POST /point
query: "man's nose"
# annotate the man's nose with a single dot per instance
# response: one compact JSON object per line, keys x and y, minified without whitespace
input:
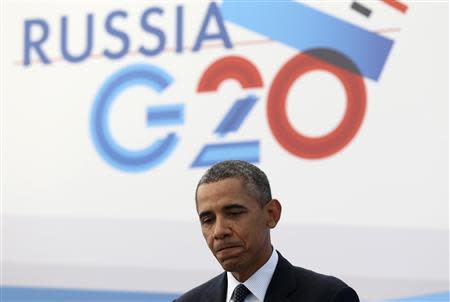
{"x":221,"y":228}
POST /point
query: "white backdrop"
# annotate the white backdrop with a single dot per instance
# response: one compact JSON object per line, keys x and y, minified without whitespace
{"x":375,"y":213}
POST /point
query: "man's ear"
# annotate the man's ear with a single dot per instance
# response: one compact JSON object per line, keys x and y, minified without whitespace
{"x":273,"y":212}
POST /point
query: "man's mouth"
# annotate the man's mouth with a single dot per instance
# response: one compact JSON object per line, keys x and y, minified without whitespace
{"x":226,"y":247}
{"x":228,"y":251}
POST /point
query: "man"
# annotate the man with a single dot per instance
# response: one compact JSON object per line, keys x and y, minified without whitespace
{"x":236,"y":211}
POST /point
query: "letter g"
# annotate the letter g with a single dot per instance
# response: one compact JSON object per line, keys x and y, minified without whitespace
{"x":116,"y":155}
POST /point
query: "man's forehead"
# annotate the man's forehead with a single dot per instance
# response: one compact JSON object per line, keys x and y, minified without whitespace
{"x":225,"y":188}
{"x":219,"y":202}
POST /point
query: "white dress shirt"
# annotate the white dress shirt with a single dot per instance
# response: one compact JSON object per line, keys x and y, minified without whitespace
{"x":257,"y":283}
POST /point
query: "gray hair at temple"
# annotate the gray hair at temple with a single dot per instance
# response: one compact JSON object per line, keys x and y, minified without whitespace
{"x":253,"y":178}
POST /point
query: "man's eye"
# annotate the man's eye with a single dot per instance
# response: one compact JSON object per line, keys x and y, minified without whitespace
{"x":234,"y":214}
{"x":205,"y":220}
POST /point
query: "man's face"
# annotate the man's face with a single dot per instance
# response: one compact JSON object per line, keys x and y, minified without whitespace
{"x":234,"y":225}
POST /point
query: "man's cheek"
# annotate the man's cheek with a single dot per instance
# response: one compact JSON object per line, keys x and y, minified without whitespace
{"x":209,"y":242}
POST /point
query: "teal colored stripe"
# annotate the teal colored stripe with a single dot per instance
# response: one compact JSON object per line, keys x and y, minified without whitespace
{"x":30,"y":294}
{"x":435,"y":297}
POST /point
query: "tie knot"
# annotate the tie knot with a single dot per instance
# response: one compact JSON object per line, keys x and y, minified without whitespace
{"x":240,"y":292}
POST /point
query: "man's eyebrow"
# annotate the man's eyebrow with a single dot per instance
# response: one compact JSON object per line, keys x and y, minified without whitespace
{"x":228,"y":207}
{"x":234,"y":206}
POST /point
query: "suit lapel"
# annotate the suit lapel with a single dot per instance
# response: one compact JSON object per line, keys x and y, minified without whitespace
{"x":217,"y":292}
{"x":283,"y":282}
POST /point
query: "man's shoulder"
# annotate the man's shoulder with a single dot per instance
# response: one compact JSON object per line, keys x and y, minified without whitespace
{"x":323,"y":287}
{"x":202,"y":290}
{"x":310,"y":277}
{"x":313,"y":286}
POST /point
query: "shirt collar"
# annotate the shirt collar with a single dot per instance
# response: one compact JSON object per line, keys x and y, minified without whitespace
{"x":258,"y":282}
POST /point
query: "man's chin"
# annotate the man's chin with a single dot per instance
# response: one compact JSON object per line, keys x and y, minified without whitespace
{"x":230,"y":265}
{"x":230,"y":259}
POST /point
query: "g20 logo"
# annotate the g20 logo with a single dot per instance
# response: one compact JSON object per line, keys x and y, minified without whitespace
{"x":248,"y":76}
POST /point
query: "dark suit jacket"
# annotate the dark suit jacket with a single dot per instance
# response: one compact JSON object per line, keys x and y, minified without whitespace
{"x":288,"y":284}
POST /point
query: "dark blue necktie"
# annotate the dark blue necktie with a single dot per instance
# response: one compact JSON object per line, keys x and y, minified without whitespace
{"x":240,"y":292}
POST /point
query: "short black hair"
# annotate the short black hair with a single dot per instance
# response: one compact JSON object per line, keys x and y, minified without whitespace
{"x":254,"y":179}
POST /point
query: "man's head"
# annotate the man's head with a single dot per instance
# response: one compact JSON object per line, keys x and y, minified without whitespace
{"x":236,"y":212}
